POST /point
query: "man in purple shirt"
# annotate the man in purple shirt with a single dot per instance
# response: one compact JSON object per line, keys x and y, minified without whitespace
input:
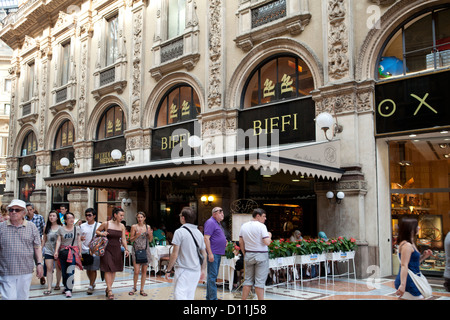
{"x":216,"y":242}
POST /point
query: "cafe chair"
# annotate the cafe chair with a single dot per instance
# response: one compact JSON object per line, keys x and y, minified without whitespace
{"x":164,"y":260}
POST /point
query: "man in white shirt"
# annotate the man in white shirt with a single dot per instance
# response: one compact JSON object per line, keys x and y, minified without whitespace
{"x":87,"y":233}
{"x":185,"y":258}
{"x":254,"y":240}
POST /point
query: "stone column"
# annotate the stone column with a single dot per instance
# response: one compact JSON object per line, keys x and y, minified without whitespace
{"x":78,"y":203}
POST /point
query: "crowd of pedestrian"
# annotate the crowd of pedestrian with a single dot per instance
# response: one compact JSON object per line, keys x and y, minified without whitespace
{"x":29,"y":245}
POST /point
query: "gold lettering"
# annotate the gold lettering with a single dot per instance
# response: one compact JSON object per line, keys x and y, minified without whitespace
{"x":286,"y":84}
{"x":273,"y":124}
{"x":118,"y":125}
{"x":163,"y":143}
{"x":173,"y":111}
{"x":185,"y":108}
{"x":269,"y":88}
{"x":257,"y":127}
{"x":284,"y":123}
{"x":109,"y":128}
{"x":288,"y":122}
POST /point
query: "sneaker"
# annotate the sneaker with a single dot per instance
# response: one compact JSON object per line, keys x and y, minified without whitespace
{"x":68,"y":294}
{"x":90,"y":290}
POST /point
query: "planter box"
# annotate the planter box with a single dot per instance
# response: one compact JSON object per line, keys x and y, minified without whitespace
{"x":340,"y":256}
{"x":310,"y":258}
{"x":281,"y":262}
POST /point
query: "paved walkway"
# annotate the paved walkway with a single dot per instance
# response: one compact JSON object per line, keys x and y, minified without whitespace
{"x":157,"y":288}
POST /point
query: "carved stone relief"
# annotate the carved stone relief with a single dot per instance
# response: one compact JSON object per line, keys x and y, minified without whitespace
{"x":338,"y":40}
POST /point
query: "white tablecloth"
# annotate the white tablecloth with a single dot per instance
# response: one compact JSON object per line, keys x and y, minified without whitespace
{"x":226,"y":271}
{"x":158,"y":252}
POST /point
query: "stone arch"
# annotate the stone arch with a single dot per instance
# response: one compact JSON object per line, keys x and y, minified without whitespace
{"x":21,"y":135}
{"x":155,"y":97}
{"x":265,"y":50}
{"x":54,"y":126}
{"x":98,"y":111}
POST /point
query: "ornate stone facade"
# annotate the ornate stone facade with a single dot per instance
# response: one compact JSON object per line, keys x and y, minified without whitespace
{"x":222,"y":42}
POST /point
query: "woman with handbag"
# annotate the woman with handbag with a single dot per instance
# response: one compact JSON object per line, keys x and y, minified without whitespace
{"x":141,"y":234}
{"x":49,"y":244}
{"x":68,"y":251}
{"x":410,"y":282}
{"x":112,"y":262}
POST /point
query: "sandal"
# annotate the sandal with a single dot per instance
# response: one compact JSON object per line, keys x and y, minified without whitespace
{"x":57,"y":287}
{"x":142,"y":293}
{"x":47,"y":292}
{"x":110,"y":295}
{"x":131,"y":293}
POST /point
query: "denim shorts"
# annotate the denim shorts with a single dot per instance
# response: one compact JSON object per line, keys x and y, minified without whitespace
{"x":256,"y":266}
{"x":48,"y":257}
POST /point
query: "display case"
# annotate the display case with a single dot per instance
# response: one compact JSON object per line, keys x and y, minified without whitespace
{"x":420,"y":206}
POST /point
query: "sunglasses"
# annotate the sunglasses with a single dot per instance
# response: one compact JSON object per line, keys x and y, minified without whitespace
{"x":220,"y":210}
{"x":89,"y":215}
{"x":14,"y":210}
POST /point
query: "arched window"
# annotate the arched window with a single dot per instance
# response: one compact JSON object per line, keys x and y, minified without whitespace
{"x":112,"y":123}
{"x":277,"y":79}
{"x":180,"y":104}
{"x":29,"y":145}
{"x":110,"y":137}
{"x":27,"y":167}
{"x":64,"y":136}
{"x":63,"y":148}
{"x":421,"y":43}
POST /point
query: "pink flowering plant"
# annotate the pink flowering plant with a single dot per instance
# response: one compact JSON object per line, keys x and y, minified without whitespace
{"x":286,"y":248}
{"x":231,"y":250}
{"x":342,"y":244}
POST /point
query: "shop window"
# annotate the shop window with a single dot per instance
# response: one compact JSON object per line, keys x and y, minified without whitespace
{"x":27,"y":167}
{"x":420,"y":186}
{"x":110,"y":136}
{"x":105,"y":202}
{"x":421,"y":43}
{"x":63,"y":148}
{"x":180,"y":104}
{"x":277,"y":79}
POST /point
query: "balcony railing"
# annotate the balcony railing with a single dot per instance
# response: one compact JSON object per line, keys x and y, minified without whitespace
{"x":172,"y":50}
{"x":269,"y":12}
{"x":107,"y":76}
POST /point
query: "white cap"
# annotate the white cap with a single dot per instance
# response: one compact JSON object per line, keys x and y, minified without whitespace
{"x":17,"y":202}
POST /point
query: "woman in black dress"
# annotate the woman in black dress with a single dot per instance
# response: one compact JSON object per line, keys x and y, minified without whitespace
{"x":112,"y":262}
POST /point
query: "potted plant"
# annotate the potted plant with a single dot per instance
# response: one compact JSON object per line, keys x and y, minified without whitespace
{"x":281,"y":253}
{"x":341,"y":248}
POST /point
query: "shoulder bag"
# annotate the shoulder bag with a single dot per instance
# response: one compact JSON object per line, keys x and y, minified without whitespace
{"x":421,"y":282}
{"x":141,"y":255}
{"x":98,"y":245}
{"x":199,"y":252}
{"x":64,"y":253}
{"x":86,"y":258}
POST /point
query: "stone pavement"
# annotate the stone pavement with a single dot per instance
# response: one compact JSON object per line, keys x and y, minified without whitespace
{"x":157,"y":288}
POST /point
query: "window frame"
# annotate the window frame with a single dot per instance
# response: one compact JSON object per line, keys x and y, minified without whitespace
{"x":401,"y":28}
{"x":193,"y":112}
{"x":257,"y":71}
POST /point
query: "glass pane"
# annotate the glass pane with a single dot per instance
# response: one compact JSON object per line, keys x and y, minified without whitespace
{"x":443,"y":37}
{"x":420,"y":164}
{"x":185,"y":103}
{"x":110,"y":123}
{"x":198,"y":109}
{"x":174,"y":105}
{"x":287,"y":77}
{"x":101,"y":134}
{"x":162,"y":114}
{"x":305,"y":79}
{"x":251,"y":95}
{"x":419,"y":60}
{"x":268,"y":82}
{"x":118,"y":121}
{"x":111,"y":41}
{"x":176,"y":18}
{"x":30,"y":92}
{"x":418,"y":34}
{"x":65,"y":64}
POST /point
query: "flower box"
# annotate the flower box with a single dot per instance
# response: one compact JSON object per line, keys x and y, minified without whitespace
{"x":281,"y":262}
{"x":340,"y":256}
{"x":310,"y":258}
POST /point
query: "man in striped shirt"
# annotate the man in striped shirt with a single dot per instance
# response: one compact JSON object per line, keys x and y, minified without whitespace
{"x":20,"y":243}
